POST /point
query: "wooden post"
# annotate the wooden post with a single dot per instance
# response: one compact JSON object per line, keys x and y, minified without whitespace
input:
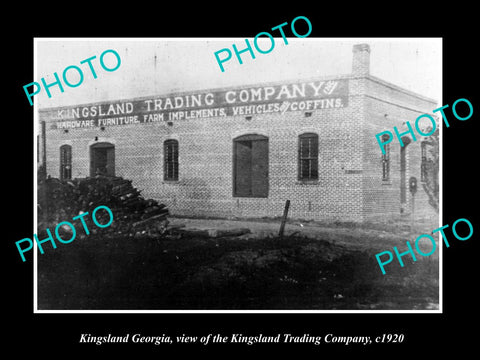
{"x":284,"y":218}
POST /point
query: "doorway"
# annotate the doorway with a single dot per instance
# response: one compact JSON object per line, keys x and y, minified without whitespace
{"x":102,"y":159}
{"x":250,"y":166}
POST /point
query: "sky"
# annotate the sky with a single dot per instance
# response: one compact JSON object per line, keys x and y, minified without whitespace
{"x":151,"y":67}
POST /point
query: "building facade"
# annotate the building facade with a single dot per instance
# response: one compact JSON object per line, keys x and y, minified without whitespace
{"x":242,"y":152}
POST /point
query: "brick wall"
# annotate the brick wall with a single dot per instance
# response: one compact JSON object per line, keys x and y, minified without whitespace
{"x":387,"y":106}
{"x":349,"y":186}
{"x":206,"y":157}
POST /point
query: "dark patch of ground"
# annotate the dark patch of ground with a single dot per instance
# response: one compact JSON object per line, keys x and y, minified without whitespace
{"x":295,"y":272}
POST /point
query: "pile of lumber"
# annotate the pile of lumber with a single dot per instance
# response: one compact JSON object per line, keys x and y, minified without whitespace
{"x":133,"y":215}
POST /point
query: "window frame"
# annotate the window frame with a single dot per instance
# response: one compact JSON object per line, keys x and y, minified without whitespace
{"x":386,"y":160}
{"x":167,"y":152}
{"x":423,"y":161}
{"x":65,"y":160}
{"x":311,"y":159}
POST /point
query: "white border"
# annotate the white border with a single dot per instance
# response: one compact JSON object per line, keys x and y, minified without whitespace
{"x":35,"y":252}
{"x":35,"y":181}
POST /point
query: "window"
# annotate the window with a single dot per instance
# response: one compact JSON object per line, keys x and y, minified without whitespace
{"x":386,"y":160}
{"x":102,"y":159}
{"x":250,"y":166}
{"x":65,"y":162}
{"x":170,"y":160}
{"x":403,"y":170}
{"x":423,"y":164}
{"x":308,"y":157}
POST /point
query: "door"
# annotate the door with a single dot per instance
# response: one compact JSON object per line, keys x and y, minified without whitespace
{"x":250,"y":177}
{"x":102,"y":159}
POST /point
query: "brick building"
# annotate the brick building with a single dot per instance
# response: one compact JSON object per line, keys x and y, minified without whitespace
{"x":243,"y":151}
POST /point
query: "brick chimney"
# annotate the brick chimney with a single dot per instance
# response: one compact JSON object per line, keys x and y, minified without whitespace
{"x":361,"y":60}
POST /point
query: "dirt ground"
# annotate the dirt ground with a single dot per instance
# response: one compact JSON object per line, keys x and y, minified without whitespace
{"x":364,"y":236}
{"x":314,"y":266}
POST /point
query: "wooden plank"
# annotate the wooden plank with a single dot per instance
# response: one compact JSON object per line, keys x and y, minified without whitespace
{"x":153,"y":218}
{"x":216,"y":233}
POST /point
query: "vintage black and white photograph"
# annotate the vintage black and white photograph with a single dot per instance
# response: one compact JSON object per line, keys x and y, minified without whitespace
{"x":181,"y":174}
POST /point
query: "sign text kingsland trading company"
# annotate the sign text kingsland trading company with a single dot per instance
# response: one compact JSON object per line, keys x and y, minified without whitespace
{"x":305,"y":96}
